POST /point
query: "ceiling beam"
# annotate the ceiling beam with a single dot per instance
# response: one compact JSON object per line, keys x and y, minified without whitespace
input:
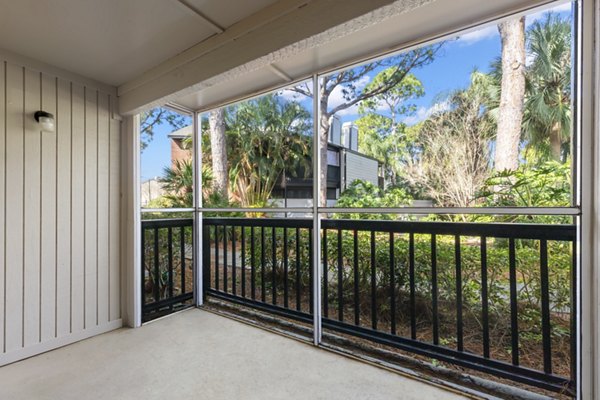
{"x":201,"y":49}
{"x":190,"y":9}
{"x":277,"y":71}
{"x":279,"y":25}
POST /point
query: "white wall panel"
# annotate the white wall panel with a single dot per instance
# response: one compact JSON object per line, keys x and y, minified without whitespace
{"x":360,"y":167}
{"x":90,"y":210}
{"x":63,"y":210}
{"x":2,"y":197}
{"x":32,"y":152}
{"x":59,"y":213}
{"x":48,"y":217}
{"x":77,"y":208}
{"x":102,"y":276}
{"x":114,"y":227}
{"x":13,"y":209}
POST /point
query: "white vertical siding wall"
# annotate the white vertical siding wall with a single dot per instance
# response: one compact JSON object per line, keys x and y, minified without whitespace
{"x":359,"y":167}
{"x":59,"y":213}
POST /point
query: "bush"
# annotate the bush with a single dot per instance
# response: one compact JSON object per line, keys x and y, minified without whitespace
{"x":364,"y":194}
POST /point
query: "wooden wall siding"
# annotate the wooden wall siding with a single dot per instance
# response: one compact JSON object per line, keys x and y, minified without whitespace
{"x":59,"y":213}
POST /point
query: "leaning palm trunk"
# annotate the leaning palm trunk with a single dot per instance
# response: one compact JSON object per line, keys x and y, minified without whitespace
{"x":510,"y":116}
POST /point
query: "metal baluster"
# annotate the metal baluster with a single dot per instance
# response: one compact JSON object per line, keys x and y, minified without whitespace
{"x":573,"y":314}
{"x":182,"y":256}
{"x":340,"y":277}
{"x":234,"y":262}
{"x":170,"y":263}
{"x":263,"y":287}
{"x":243,"y":239}
{"x":373,"y":284}
{"x":225,"y":245}
{"x":325,"y":276}
{"x":514,"y":317}
{"x":206,"y":284}
{"x":285,"y":269}
{"x":216,"y":257}
{"x":411,"y":277}
{"x":392,"y":285}
{"x":434,"y":290}
{"x":484,"y":299}
{"x":459,"y":305}
{"x":252,"y":265}
{"x":356,"y":291}
{"x":273,"y":266}
{"x":310,"y":269}
{"x":143,"y":269}
{"x":298,"y":276}
{"x":546,"y":329}
{"x":156,"y":267}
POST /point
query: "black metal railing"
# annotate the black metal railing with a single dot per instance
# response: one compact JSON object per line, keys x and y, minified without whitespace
{"x":260,"y":262}
{"x":167,"y":260}
{"x":497,"y":298}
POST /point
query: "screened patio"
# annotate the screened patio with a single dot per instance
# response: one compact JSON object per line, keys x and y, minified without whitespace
{"x":310,"y":263}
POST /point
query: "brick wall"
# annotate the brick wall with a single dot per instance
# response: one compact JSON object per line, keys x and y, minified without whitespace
{"x":178,"y":153}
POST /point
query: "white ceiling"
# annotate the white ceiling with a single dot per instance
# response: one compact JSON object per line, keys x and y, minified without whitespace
{"x":117,"y":41}
{"x":113,"y":41}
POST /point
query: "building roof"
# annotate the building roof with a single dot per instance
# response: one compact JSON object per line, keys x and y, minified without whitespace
{"x":182,"y":133}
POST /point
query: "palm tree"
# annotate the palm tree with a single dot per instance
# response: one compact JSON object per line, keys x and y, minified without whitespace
{"x":547,"y":119}
{"x":265,"y":137}
{"x":178,"y":182}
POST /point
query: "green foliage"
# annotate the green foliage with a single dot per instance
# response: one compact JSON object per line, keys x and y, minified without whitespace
{"x":544,"y":185}
{"x":151,"y":119}
{"x":396,"y":99}
{"x":396,"y":70}
{"x":547,"y":113}
{"x":382,"y":135}
{"x":364,"y":194}
{"x":265,"y":137}
{"x":178,"y":182}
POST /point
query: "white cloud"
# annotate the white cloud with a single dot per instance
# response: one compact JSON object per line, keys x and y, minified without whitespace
{"x":478,"y":35}
{"x":337,"y":97}
{"x":423,"y":113}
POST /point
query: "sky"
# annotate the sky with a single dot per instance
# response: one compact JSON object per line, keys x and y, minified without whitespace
{"x":450,"y":71}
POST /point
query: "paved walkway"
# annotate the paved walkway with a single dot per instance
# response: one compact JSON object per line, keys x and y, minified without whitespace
{"x":199,"y":355}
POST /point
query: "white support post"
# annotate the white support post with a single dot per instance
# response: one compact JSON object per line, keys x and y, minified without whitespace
{"x":586,"y":117}
{"x":316,"y":249}
{"x":198,"y":256}
{"x":131,"y":267}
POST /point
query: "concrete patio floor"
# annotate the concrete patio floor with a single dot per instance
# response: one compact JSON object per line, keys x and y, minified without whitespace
{"x":199,"y":355}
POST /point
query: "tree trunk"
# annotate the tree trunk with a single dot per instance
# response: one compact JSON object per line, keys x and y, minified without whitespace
{"x":323,"y":139}
{"x":556,"y":141}
{"x":218,"y":148}
{"x":510,"y":113}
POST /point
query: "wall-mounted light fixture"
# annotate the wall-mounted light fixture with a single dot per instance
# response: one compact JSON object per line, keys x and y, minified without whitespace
{"x":45,"y":119}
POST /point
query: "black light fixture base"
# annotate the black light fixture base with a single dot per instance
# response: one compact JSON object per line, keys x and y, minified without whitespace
{"x":39,"y":114}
